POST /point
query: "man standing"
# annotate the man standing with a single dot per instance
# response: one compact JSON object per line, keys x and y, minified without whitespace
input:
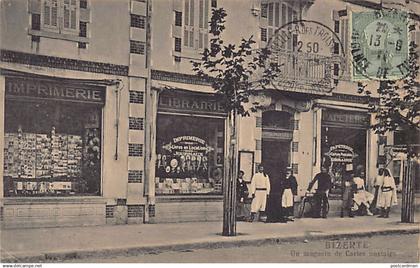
{"x":260,"y":188}
{"x":242,"y":210}
{"x":321,"y":199}
{"x":290,"y":190}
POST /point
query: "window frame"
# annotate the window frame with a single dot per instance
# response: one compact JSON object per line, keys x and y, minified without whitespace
{"x":60,"y":27}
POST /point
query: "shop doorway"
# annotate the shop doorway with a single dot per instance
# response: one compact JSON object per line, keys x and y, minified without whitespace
{"x":276,"y":139}
{"x":275,"y":157}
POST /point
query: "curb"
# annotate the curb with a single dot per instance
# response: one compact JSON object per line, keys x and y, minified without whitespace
{"x":156,"y":249}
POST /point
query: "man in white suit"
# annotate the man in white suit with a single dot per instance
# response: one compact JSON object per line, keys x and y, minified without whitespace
{"x":260,"y":188}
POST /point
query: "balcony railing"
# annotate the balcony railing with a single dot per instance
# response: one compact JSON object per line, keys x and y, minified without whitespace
{"x":307,"y":72}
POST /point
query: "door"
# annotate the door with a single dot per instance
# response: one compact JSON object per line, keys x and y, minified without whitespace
{"x":275,"y":157}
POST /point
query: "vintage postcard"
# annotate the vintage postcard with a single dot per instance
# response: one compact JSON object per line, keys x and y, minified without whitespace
{"x":209,"y":131}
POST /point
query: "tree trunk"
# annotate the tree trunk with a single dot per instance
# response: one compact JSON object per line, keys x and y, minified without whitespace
{"x":229,"y":185}
{"x":409,"y":176}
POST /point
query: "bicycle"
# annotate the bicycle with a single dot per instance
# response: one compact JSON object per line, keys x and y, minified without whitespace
{"x":309,"y":198}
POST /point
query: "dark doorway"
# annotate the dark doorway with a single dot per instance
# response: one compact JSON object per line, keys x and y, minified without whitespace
{"x":275,"y":157}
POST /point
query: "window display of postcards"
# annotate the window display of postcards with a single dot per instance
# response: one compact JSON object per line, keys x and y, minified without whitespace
{"x":74,"y":157}
{"x":11,"y":155}
{"x":28,"y":152}
{"x":59,"y":154}
{"x":43,"y":156}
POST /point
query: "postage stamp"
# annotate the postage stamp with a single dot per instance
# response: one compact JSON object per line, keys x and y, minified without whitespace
{"x":379,"y":45}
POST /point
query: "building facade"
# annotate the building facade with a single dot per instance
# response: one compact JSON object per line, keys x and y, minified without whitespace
{"x":105,"y":122}
{"x":72,"y":106}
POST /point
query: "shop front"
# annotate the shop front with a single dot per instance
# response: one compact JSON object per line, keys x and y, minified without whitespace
{"x":52,"y":151}
{"x":343,"y":144}
{"x":190,"y":156}
{"x":277,"y":135}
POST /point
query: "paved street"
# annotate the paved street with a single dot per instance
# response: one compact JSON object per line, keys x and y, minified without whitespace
{"x":386,"y":248}
{"x":122,"y":240}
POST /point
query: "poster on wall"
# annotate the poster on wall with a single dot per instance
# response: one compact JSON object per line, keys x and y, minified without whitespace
{"x":246,"y":164}
{"x":184,"y":156}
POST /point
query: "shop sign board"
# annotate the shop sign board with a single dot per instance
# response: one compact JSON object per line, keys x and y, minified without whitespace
{"x":34,"y":88}
{"x":187,"y":144}
{"x":346,"y":118}
{"x":191,"y":103}
{"x":396,"y":149}
{"x":341,"y":153}
{"x":184,"y":156}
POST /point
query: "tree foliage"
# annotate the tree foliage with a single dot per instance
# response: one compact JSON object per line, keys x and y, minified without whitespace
{"x":398,"y":106}
{"x":235,"y":71}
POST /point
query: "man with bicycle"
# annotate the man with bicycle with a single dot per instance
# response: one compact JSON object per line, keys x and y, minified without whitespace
{"x":321,"y":198}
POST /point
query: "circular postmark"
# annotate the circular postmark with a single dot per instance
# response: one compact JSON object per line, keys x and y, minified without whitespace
{"x":309,"y":55}
{"x":379,"y":45}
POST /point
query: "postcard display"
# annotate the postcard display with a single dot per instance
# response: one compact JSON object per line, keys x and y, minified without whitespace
{"x":42,"y":163}
{"x":188,"y":165}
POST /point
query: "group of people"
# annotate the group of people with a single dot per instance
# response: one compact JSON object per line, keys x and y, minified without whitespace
{"x":272,"y":199}
{"x":357,"y":200}
{"x":275,"y":198}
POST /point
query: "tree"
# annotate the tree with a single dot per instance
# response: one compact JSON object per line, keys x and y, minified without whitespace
{"x":236,"y":73}
{"x":398,"y":108}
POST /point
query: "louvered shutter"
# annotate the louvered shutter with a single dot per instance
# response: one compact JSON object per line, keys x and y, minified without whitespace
{"x":203,"y":31}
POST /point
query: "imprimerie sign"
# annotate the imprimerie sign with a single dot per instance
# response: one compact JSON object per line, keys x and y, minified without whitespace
{"x":43,"y":89}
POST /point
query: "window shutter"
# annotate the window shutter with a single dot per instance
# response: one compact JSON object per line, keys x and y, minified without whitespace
{"x":203,"y":23}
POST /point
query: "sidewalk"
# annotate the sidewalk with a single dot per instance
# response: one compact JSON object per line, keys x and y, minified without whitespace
{"x":49,"y":244}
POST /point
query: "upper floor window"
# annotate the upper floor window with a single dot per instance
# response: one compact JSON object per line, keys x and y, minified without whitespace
{"x":277,"y":14}
{"x":196,"y":18}
{"x":60,"y":16}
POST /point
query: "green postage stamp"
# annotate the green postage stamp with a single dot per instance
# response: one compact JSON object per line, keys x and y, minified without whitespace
{"x":379,"y":45}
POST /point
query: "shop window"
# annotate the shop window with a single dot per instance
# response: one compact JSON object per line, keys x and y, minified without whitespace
{"x":342,"y":149}
{"x":52,"y":148}
{"x":190,"y":155}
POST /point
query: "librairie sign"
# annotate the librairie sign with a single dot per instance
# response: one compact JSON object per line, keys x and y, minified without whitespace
{"x":32,"y":88}
{"x":341,"y":153}
{"x":179,"y":101}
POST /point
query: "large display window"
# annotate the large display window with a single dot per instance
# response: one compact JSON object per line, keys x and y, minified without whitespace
{"x":51,"y":147}
{"x":190,"y":155}
{"x":343,"y":149}
{"x":343,"y":144}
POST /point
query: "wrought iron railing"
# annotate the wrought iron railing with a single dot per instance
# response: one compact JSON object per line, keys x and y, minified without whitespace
{"x":307,"y":72}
